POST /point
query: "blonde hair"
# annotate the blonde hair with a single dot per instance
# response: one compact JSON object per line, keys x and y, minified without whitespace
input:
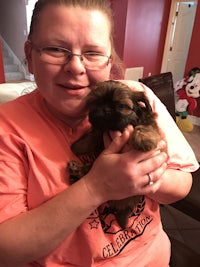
{"x":117,"y":71}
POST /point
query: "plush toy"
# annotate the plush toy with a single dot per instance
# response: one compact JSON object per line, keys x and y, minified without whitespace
{"x":187,"y":90}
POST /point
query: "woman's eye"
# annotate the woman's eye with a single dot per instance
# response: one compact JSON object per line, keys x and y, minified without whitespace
{"x":55,"y":51}
{"x":92,"y":54}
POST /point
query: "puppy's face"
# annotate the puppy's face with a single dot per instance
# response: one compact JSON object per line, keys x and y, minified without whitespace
{"x":112,"y":107}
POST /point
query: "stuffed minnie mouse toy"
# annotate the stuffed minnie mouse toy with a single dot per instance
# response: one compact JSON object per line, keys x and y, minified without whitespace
{"x":187,"y":90}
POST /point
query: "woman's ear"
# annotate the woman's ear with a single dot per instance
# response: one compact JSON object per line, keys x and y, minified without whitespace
{"x":27,"y":51}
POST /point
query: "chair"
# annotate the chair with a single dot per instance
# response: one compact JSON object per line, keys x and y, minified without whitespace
{"x":162,"y":85}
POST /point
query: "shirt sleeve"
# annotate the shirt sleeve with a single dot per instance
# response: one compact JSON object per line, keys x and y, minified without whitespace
{"x":13,"y":177}
{"x":181,"y":155}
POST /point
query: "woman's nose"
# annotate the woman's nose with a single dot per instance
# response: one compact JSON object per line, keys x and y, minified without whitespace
{"x":75,"y":64}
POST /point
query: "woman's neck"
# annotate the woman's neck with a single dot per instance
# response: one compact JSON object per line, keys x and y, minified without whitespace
{"x":71,"y":121}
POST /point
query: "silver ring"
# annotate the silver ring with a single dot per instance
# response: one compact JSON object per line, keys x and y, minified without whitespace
{"x":150,"y":179}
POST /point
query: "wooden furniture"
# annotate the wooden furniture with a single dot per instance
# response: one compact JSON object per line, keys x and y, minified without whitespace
{"x":162,"y":85}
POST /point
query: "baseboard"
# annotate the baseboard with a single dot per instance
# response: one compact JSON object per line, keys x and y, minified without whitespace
{"x":195,"y":120}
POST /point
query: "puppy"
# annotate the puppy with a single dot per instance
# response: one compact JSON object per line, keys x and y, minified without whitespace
{"x":113,"y":106}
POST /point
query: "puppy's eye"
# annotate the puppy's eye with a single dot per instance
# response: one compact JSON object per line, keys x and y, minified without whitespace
{"x":123,"y":108}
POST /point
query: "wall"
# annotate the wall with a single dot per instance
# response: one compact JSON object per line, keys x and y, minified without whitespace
{"x":120,"y":15}
{"x":141,"y":31}
{"x":194,"y":53}
{"x":139,"y":37}
{"x":141,"y":28}
{"x":2,"y":77}
{"x":13,"y":25}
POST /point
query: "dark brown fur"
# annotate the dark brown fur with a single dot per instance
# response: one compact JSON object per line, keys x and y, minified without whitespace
{"x":113,"y":106}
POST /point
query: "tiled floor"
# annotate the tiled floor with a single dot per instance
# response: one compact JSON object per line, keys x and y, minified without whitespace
{"x":181,"y":227}
{"x":184,"y":233}
{"x":183,"y":230}
{"x":193,"y":139}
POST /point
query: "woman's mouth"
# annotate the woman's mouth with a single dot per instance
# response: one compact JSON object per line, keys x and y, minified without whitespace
{"x":75,"y":90}
{"x":73,"y":87}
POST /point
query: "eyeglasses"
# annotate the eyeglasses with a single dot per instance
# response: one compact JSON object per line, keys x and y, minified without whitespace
{"x":59,"y":56}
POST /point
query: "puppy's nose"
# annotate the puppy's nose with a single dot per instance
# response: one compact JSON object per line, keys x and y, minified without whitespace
{"x":107,"y":111}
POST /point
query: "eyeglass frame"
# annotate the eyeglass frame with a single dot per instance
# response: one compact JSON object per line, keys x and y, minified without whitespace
{"x":70,"y":55}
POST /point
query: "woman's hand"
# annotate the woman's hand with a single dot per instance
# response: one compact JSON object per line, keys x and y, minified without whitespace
{"x":121,"y":171}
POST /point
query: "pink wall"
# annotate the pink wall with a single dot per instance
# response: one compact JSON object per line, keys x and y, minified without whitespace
{"x":140,"y":32}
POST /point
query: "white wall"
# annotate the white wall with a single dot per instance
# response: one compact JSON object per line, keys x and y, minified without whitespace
{"x":29,"y":10}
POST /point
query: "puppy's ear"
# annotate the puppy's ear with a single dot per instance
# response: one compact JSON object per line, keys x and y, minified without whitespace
{"x":144,"y":104}
{"x":141,"y":102}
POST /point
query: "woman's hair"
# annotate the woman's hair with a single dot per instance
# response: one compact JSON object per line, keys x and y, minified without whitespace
{"x":103,"y":6}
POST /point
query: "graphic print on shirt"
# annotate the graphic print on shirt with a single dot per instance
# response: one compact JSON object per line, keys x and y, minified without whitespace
{"x":104,"y":218}
{"x":108,"y":218}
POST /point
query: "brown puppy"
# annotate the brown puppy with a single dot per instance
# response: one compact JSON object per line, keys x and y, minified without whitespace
{"x":113,"y":106}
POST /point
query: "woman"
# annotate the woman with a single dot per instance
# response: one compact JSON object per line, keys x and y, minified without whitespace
{"x":45,"y":221}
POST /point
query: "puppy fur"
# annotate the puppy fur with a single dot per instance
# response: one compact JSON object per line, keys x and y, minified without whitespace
{"x":112,"y":106}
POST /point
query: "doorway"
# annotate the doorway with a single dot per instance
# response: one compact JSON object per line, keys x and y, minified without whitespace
{"x":180,"y":26}
{"x":29,"y":10}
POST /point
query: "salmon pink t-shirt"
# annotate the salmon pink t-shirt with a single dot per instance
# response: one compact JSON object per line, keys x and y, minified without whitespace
{"x":34,"y":152}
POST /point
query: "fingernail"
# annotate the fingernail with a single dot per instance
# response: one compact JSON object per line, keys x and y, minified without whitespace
{"x":162,"y":144}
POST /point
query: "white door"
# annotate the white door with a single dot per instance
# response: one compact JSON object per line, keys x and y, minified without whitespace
{"x":179,"y":38}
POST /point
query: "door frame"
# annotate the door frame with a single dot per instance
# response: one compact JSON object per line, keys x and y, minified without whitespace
{"x":169,"y":33}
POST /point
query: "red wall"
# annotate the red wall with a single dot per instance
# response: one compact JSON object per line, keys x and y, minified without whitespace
{"x":120,"y":15}
{"x":145,"y":36}
{"x":2,"y":77}
{"x":140,"y":32}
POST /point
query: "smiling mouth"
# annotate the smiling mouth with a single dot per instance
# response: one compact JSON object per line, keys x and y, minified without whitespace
{"x":73,"y":87}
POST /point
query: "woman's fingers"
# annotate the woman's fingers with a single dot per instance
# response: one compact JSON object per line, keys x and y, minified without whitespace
{"x":115,"y":141}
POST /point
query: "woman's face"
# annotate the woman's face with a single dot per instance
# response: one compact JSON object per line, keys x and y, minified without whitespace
{"x":66,"y":86}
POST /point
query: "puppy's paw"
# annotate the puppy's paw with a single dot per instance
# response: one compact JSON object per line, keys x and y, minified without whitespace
{"x":145,"y":138}
{"x":75,"y":170}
